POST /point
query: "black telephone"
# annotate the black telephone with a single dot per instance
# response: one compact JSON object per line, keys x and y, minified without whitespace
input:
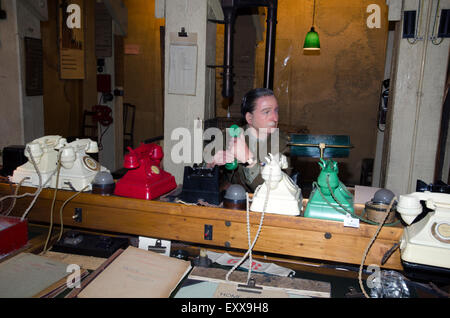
{"x":383,"y":106}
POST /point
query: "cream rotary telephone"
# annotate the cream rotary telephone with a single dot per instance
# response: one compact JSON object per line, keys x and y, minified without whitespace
{"x":283,"y":196}
{"x":427,"y":241}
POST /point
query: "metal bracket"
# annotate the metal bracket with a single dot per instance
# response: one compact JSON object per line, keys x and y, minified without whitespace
{"x":250,"y":287}
{"x":158,"y":248}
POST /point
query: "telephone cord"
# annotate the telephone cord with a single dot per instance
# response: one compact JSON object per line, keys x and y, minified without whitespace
{"x":370,"y":245}
{"x":35,"y":194}
{"x":58,"y":168}
{"x":62,"y":207}
{"x":39,"y":176}
{"x":251,"y":245}
{"x":14,"y":198}
{"x":380,"y":225}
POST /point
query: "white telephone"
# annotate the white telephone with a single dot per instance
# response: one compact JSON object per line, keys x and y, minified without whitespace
{"x":44,"y":151}
{"x":285,"y":197}
{"x":426,"y":242}
{"x":77,"y":168}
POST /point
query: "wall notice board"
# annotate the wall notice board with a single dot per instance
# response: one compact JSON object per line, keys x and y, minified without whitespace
{"x":183,"y":64}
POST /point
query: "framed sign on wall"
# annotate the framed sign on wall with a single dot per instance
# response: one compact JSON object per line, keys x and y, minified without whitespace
{"x":33,"y":67}
{"x":71,"y":39}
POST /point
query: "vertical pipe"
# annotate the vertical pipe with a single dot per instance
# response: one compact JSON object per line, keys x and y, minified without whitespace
{"x":270,"y":44}
{"x":227,"y":89}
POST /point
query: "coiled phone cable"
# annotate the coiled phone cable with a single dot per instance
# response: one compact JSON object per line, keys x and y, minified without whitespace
{"x":251,"y":245}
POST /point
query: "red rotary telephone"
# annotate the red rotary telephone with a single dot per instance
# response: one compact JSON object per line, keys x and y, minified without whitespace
{"x":145,"y":178}
{"x":102,"y":115}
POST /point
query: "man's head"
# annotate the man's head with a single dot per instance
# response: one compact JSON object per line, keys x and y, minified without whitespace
{"x":260,"y":109}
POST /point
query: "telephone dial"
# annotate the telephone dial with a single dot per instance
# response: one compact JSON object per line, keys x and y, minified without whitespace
{"x":102,"y":115}
{"x":145,"y":178}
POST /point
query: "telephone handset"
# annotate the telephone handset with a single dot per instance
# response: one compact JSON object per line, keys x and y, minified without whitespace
{"x":42,"y":145}
{"x":133,"y":159}
{"x":383,"y":106}
{"x":234,"y":132}
{"x":44,"y":152}
{"x":102,"y":114}
{"x":68,"y":153}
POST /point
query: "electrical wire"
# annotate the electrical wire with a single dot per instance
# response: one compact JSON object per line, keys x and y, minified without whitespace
{"x":13,"y":203}
{"x":62,"y":207}
{"x":433,"y":36}
{"x":58,"y":168}
{"x":35,"y":194}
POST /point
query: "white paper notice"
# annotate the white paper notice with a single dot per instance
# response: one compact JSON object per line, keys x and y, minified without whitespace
{"x":183,"y":69}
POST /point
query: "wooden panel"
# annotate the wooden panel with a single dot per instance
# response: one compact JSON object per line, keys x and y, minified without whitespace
{"x":282,"y":235}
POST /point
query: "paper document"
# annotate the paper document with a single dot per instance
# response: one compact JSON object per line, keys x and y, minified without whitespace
{"x":226,"y":259}
{"x":138,"y":273}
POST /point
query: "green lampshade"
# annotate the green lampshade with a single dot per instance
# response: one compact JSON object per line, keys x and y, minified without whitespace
{"x":312,"y":40}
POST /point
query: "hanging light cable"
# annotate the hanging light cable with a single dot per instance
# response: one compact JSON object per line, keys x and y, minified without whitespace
{"x":312,"y":37}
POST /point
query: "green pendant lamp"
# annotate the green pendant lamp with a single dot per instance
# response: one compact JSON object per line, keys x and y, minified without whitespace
{"x":312,"y":42}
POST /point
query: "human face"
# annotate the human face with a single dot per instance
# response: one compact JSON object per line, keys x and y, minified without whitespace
{"x":265,"y":114}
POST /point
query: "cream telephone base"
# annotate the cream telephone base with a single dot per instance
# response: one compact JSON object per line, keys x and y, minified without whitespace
{"x":426,"y":242}
{"x":77,"y":168}
{"x":285,"y":197}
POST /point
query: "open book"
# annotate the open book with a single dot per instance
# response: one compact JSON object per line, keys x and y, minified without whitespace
{"x":137,"y":273}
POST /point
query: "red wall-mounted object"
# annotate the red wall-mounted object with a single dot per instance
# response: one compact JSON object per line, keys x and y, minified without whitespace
{"x":104,"y":83}
{"x":145,"y":179}
{"x":102,"y":114}
{"x":13,"y":234}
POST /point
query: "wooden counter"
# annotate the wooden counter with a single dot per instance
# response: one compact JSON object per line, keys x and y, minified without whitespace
{"x":281,"y":235}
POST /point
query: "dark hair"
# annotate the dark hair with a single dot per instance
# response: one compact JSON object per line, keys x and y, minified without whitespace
{"x":249,"y":99}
